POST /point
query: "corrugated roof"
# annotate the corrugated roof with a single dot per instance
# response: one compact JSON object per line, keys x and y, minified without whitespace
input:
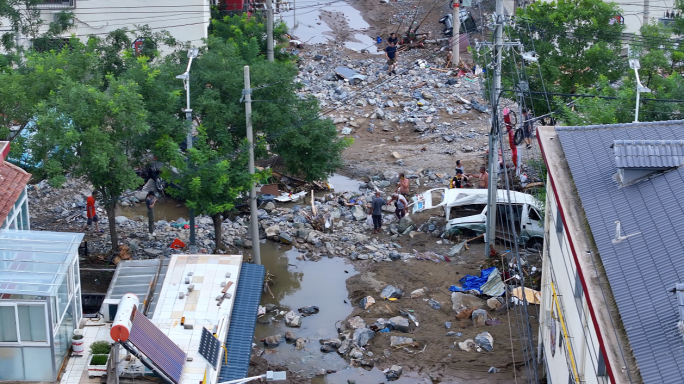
{"x":643,"y":268}
{"x":242,"y":322}
{"x":13,"y":180}
{"x":648,"y":153}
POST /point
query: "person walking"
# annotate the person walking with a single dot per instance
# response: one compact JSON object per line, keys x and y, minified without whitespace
{"x":391,"y":55}
{"x":91,"y":213}
{"x":393,"y":38}
{"x":376,"y":211}
{"x":150,"y":201}
{"x":401,"y":205}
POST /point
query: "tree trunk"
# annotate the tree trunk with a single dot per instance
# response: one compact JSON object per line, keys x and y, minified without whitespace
{"x":218,"y":231}
{"x":111,"y":212}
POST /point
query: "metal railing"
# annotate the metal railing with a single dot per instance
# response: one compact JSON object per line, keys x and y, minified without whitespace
{"x":56,"y":4}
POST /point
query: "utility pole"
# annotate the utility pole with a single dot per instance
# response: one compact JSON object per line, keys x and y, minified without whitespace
{"x":646,"y":11}
{"x":493,"y":158}
{"x":269,"y":30}
{"x":456,"y":34}
{"x":192,"y":53}
{"x":254,"y":220}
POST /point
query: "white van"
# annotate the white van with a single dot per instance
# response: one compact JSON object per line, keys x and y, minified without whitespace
{"x":466,"y":210}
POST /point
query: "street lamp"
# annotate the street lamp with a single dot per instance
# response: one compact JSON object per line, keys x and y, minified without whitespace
{"x":185,"y":76}
{"x":635,"y":65}
{"x":269,"y":376}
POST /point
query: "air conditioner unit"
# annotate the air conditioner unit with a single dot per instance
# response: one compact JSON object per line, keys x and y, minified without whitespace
{"x":109,"y":308}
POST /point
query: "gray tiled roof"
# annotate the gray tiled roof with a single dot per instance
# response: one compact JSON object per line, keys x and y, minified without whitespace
{"x":642,"y":268}
{"x":648,"y":153}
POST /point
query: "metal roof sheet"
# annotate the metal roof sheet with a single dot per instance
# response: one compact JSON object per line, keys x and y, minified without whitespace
{"x":242,"y":322}
{"x":642,"y":268}
{"x":648,"y":153}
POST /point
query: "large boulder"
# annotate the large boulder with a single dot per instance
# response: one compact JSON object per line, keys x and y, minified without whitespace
{"x":362,"y":336}
{"x":356,"y":322}
{"x":404,"y":224}
{"x":359,"y":213}
{"x":400,"y":323}
{"x":391,"y":292}
{"x":273,"y":232}
{"x":399,"y":341}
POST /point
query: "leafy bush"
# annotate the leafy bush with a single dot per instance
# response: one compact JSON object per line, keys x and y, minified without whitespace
{"x":98,"y":360}
{"x":100,"y":347}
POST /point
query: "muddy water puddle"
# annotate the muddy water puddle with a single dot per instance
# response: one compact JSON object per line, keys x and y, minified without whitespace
{"x":165,"y":209}
{"x":300,"y":284}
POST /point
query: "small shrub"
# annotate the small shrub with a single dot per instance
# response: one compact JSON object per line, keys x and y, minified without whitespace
{"x":100,"y":347}
{"x":98,"y":360}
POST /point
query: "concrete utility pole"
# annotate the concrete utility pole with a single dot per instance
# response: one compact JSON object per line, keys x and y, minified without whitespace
{"x":269,"y":30}
{"x":456,"y":34}
{"x":192,"y":53}
{"x":254,"y":220}
{"x":646,"y":11}
{"x":493,"y":158}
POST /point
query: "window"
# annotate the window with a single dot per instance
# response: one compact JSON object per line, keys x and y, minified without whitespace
{"x":559,"y":221}
{"x":601,"y":370}
{"x":32,"y":322}
{"x":8,"y":324}
{"x":30,"y":319}
{"x":578,"y":286}
{"x":534,"y":215}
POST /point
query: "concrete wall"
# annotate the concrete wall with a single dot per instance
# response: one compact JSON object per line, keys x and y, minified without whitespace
{"x":186,"y":20}
{"x":581,"y":347}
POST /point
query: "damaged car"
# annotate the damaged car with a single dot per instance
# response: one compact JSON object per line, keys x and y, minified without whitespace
{"x":466,"y":211}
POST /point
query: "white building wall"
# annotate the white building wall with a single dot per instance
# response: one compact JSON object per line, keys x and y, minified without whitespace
{"x":575,"y":340}
{"x":185,"y":20}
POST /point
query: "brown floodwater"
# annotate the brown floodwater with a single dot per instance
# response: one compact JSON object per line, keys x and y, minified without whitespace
{"x":166,"y":208}
{"x":304,"y":283}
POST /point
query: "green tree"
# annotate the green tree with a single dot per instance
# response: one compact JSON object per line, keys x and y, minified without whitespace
{"x":576,"y":43}
{"x":89,"y":132}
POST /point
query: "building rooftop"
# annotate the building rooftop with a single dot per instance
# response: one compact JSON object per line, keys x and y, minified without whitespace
{"x":35,"y":262}
{"x":643,"y":261}
{"x":648,"y":153}
{"x":13,"y":180}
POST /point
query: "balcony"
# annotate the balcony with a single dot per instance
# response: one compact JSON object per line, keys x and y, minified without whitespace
{"x":56,"y":4}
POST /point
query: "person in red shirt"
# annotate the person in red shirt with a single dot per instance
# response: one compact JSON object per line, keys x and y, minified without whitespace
{"x":91,"y":213}
{"x":511,"y":136}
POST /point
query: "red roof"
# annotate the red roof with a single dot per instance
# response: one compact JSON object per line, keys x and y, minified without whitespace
{"x":13,"y":180}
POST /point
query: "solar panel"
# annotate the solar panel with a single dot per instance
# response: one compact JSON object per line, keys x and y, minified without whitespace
{"x":209,"y":348}
{"x":163,"y":352}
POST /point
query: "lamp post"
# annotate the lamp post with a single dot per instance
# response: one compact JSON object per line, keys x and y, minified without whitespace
{"x":635,"y":65}
{"x":185,"y":76}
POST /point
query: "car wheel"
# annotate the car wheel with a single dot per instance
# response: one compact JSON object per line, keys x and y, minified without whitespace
{"x":535,"y":244}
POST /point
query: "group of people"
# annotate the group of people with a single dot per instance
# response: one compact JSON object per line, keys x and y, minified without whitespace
{"x":462,"y":179}
{"x":399,"y":198}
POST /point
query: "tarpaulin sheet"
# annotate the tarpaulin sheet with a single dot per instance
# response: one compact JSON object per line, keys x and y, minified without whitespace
{"x":489,"y":283}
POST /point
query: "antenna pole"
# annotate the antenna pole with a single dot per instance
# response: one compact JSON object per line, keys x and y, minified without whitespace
{"x":493,"y":158}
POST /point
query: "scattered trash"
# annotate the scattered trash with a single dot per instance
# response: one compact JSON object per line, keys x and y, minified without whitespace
{"x":293,"y":320}
{"x":384,"y":330}
{"x":418,"y":293}
{"x":177,"y":244}
{"x":448,"y":325}
{"x":532,"y":296}
{"x":493,"y":370}
{"x":435,"y":304}
{"x":399,"y":341}
{"x":489,"y":283}
{"x":493,"y":321}
{"x":485,"y":340}
{"x":350,"y":75}
{"x":479,"y":317}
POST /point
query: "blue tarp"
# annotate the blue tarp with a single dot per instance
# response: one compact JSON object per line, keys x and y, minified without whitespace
{"x":470,"y":282}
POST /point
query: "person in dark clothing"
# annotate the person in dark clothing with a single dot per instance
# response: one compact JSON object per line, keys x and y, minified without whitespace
{"x":376,"y":211}
{"x":393,"y":38}
{"x":391,"y":55}
{"x":150,"y":201}
{"x":527,"y":129}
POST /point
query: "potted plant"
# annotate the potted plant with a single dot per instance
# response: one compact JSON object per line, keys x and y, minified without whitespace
{"x":99,"y":356}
